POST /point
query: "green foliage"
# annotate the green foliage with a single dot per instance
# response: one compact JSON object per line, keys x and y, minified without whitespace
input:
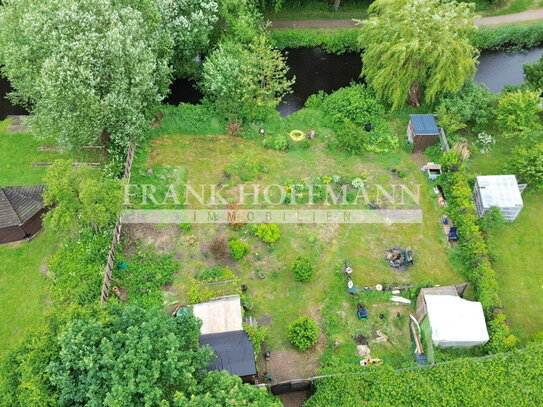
{"x":508,"y":37}
{"x":221,"y":389}
{"x":474,"y":254}
{"x":238,"y":249}
{"x":473,"y":104}
{"x":246,"y":166}
{"x":80,"y":199}
{"x":99,"y":357}
{"x":333,"y":41}
{"x":268,"y":232}
{"x":533,"y":73}
{"x":213,"y":282}
{"x":492,"y":220}
{"x":517,"y":113}
{"x":347,"y":111}
{"x":146,"y":274}
{"x":527,"y":164}
{"x":76,"y":269}
{"x":100,"y":89}
{"x":303,"y":269}
{"x":278,"y":142}
{"x":303,"y":333}
{"x":240,"y":20}
{"x":403,"y":34}
{"x":245,"y":82}
{"x":257,"y":334}
{"x":503,"y":380}
{"x":190,"y":119}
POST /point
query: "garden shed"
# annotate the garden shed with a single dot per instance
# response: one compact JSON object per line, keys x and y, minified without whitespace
{"x":422,"y":132}
{"x":451,"y":320}
{"x":222,"y":330}
{"x":501,"y":191}
{"x":21,"y":209}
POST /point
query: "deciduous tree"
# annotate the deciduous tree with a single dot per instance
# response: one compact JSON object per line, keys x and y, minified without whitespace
{"x":417,"y":49}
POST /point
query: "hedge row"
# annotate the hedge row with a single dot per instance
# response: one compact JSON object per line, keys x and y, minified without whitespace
{"x":489,"y":38}
{"x":502,"y":380}
{"x":475,"y":257}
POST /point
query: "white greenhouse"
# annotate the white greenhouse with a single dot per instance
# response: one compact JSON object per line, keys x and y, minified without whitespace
{"x":501,"y":191}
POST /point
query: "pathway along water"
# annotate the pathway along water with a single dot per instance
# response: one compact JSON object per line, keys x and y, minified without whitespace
{"x":317,"y":70}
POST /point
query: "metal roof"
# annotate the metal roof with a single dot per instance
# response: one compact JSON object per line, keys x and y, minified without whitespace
{"x":424,"y":124}
{"x":18,"y":204}
{"x":234,"y":350}
{"x":499,"y":190}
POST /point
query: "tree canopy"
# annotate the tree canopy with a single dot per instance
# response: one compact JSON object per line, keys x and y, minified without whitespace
{"x":416,"y":49}
{"x":88,"y":71}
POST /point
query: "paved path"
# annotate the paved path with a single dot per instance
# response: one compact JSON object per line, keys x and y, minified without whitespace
{"x":508,"y":18}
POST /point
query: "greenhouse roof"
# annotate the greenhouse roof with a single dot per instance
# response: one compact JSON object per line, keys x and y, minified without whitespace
{"x":499,"y":190}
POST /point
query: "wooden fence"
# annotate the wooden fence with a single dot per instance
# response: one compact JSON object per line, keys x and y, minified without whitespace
{"x":108,"y":271}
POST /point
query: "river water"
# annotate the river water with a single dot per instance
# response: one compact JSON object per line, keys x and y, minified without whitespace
{"x":317,"y":70}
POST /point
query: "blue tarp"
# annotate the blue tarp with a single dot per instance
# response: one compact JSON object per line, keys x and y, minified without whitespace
{"x":424,"y":124}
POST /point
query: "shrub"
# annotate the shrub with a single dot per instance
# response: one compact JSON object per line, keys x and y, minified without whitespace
{"x":517,"y":113}
{"x":224,"y":282}
{"x":508,"y":37}
{"x":246,"y":166}
{"x":303,"y":333}
{"x":485,"y":142}
{"x":218,"y":247}
{"x":492,"y":220}
{"x":257,"y":334}
{"x":268,"y":232}
{"x":303,"y":269}
{"x":278,"y":142}
{"x":185,"y":227}
{"x":238,"y":249}
{"x":527,"y":164}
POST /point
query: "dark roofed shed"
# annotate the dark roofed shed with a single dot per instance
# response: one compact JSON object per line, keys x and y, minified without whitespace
{"x":21,"y":208}
{"x":422,"y":131}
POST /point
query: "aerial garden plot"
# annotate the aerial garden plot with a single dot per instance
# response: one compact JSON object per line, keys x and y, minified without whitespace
{"x":186,"y":205}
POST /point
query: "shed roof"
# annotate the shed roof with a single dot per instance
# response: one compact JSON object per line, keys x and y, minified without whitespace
{"x":19,"y":203}
{"x":499,"y":190}
{"x":424,"y":124}
{"x":234,"y":350}
{"x":220,"y":315}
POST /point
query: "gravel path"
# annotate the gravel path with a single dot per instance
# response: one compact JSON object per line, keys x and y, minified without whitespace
{"x":508,"y":18}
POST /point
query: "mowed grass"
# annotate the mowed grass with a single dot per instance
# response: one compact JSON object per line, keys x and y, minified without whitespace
{"x":23,"y":289}
{"x":517,"y":251}
{"x":278,"y":298}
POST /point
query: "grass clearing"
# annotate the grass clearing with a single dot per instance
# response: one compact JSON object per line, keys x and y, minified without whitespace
{"x":276,"y":297}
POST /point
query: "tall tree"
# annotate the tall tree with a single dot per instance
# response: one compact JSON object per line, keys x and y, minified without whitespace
{"x":88,"y":71}
{"x":80,"y":198}
{"x":417,"y":49}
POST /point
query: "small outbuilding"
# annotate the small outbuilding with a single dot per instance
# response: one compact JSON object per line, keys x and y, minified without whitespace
{"x":222,"y":330}
{"x":450,"y":320}
{"x":501,"y":191}
{"x":21,"y":209}
{"x":422,"y":132}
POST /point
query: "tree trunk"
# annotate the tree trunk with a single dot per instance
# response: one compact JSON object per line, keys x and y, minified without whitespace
{"x":106,"y":139}
{"x":336,"y":4}
{"x":414,"y":94}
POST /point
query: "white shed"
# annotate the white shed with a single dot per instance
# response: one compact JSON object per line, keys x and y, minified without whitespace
{"x":455,"y":322}
{"x":501,"y":191}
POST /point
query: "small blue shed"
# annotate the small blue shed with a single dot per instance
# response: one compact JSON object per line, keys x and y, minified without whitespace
{"x":422,"y":131}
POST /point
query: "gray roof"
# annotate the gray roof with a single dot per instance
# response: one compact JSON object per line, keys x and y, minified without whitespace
{"x":499,"y":190}
{"x":234,"y":350}
{"x":424,"y":124}
{"x":18,"y":204}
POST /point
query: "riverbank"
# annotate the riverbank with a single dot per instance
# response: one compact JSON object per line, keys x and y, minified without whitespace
{"x":345,"y":39}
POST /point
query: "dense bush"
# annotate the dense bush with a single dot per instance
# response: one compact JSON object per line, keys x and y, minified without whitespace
{"x":257,"y":334}
{"x":223,"y":282}
{"x":303,"y":269}
{"x":267,"y":232}
{"x":533,"y":73}
{"x":517,"y":113}
{"x":475,"y":256}
{"x":503,"y":380}
{"x":357,"y":118}
{"x":147,"y":272}
{"x":336,"y":42}
{"x":279,"y":142}
{"x":508,"y":37}
{"x":303,"y":333}
{"x":238,"y":249}
{"x":527,"y":164}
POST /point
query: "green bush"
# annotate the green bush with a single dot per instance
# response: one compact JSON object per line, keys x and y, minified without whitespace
{"x":238,"y":249}
{"x":508,"y":37}
{"x":492,"y":220}
{"x":268,"y":232}
{"x":278,"y":142}
{"x":224,"y":282}
{"x":303,"y":269}
{"x":517,"y":113}
{"x":332,"y":41}
{"x":246,"y":166}
{"x":303,"y":333}
{"x":257,"y":334}
{"x":527,"y":165}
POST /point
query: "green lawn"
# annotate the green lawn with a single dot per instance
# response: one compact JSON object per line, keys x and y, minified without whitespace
{"x":278,"y":298}
{"x":517,"y":252}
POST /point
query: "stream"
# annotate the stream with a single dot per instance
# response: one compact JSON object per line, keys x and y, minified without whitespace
{"x":316,"y":70}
